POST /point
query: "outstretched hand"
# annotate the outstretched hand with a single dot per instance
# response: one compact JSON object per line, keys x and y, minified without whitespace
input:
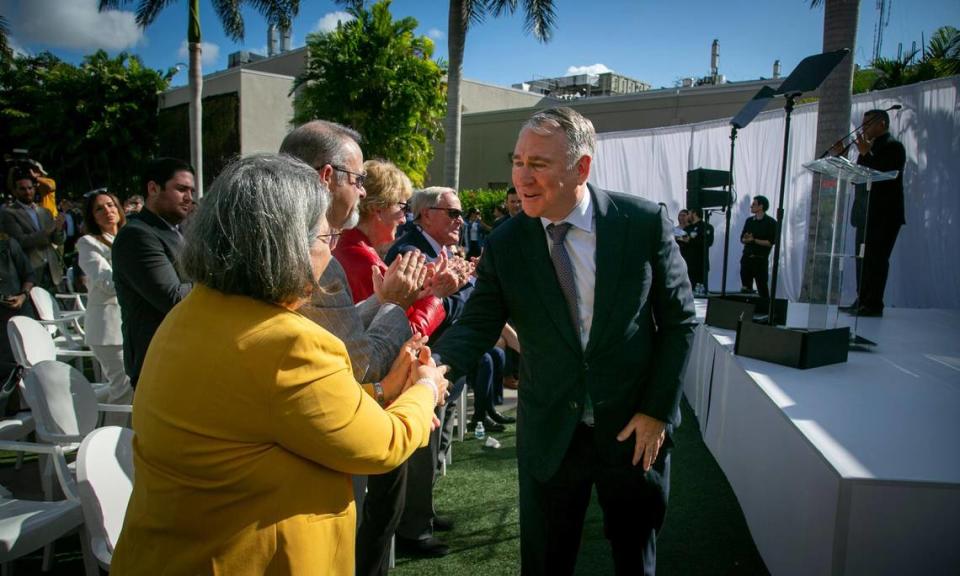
{"x":650,"y":434}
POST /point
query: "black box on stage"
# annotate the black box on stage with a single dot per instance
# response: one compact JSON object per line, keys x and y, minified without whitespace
{"x":794,"y":347}
{"x":723,"y":312}
{"x":762,"y":306}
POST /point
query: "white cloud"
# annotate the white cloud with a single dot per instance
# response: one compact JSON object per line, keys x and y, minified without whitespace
{"x":75,"y":24}
{"x":209,"y":53}
{"x":592,"y":69}
{"x":329,"y":22}
{"x":435,"y":33}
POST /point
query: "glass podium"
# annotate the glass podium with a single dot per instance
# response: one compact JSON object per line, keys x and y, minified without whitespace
{"x":831,"y":255}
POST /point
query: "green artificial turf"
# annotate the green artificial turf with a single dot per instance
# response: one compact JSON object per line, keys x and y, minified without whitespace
{"x":705,"y":532}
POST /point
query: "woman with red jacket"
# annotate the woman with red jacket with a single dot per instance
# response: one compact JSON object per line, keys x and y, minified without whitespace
{"x":359,"y":249}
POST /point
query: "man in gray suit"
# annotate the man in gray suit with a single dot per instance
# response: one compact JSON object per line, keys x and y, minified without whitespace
{"x":36,"y":230}
{"x":373,"y":330}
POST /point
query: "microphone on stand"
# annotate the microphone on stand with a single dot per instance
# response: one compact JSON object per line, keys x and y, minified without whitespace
{"x":854,"y":131}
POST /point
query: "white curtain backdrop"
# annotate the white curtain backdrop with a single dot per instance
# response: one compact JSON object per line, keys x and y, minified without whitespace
{"x":653,"y":164}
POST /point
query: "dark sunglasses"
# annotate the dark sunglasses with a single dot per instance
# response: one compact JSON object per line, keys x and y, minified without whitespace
{"x":453,"y":213}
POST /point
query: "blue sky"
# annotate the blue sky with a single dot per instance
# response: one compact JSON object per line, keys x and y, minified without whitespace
{"x":656,"y":41}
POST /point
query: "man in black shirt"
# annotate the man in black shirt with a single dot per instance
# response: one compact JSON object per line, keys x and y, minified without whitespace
{"x":700,"y":234}
{"x":877,"y":215}
{"x":759,"y":234}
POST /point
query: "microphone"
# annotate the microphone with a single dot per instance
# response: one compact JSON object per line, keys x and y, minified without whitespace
{"x":843,"y":152}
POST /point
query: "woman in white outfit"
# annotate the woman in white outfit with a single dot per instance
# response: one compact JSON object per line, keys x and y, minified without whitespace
{"x":102,"y":219}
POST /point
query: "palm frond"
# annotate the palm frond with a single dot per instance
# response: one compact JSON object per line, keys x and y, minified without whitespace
{"x":539,"y":18}
{"x":4,"y":31}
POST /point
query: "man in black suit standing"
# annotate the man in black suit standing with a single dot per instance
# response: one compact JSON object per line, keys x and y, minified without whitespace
{"x":145,"y":271}
{"x":877,"y":215}
{"x":438,"y":220}
{"x":594,"y":285}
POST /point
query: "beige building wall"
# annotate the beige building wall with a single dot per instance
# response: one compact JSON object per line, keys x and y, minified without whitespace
{"x":222,"y":82}
{"x":266,"y":110}
{"x":479,"y":97}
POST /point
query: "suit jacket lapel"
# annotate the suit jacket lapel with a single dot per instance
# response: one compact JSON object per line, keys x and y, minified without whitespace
{"x":26,"y":222}
{"x":611,"y":229}
{"x":544,"y":277}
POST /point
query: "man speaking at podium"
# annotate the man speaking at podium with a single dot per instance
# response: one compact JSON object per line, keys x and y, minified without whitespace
{"x":877,"y":215}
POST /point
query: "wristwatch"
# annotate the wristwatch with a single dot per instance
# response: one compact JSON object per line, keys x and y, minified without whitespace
{"x":378,"y":392}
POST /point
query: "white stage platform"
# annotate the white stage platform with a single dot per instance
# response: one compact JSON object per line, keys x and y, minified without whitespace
{"x":846,"y":469}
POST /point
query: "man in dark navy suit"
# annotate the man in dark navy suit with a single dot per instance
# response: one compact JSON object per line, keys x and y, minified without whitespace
{"x":594,"y":285}
{"x":149,"y":283}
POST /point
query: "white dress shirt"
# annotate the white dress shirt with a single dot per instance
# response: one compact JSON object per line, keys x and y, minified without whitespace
{"x":581,"y":244}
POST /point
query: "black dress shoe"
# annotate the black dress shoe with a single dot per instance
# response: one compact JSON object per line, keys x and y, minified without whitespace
{"x":442,"y":523}
{"x":868,"y":312}
{"x":426,"y":548}
{"x":488,"y":425}
{"x":501,"y":418}
{"x":851,"y":309}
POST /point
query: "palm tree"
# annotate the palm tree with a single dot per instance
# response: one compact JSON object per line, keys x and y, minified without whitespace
{"x":280,"y":12}
{"x":539,"y":19}
{"x":4,"y":31}
{"x":833,"y":119}
{"x":943,"y":51}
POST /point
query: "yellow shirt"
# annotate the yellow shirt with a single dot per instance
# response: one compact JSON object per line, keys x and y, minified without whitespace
{"x":48,"y":194}
{"x":248,"y":424}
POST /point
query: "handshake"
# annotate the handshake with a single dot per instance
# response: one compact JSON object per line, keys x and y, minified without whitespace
{"x":414,"y":367}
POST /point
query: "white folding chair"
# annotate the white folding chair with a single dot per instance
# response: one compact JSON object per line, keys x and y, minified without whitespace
{"x":27,"y":525}
{"x":65,"y":408}
{"x":64,"y":327}
{"x":104,"y":482}
{"x":32,"y":344}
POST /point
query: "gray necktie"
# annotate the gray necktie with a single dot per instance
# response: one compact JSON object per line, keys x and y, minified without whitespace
{"x":561,"y":263}
{"x":564,"y":269}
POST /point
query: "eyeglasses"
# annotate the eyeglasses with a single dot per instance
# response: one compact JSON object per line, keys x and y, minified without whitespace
{"x":403,"y":206}
{"x":330,"y":239}
{"x":453,"y":213}
{"x":358,"y":179}
{"x":96,"y":191}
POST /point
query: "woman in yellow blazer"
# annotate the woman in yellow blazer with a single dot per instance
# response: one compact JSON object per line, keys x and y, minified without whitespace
{"x":248,"y":420}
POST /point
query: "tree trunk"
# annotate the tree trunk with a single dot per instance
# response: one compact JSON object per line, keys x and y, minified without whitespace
{"x":833,"y":121}
{"x":196,"y":91}
{"x":457,"y":35}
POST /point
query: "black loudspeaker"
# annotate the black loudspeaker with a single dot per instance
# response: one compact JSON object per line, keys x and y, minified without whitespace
{"x":794,"y":347}
{"x":698,"y":183}
{"x":706,"y":178}
{"x":725,"y":312}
